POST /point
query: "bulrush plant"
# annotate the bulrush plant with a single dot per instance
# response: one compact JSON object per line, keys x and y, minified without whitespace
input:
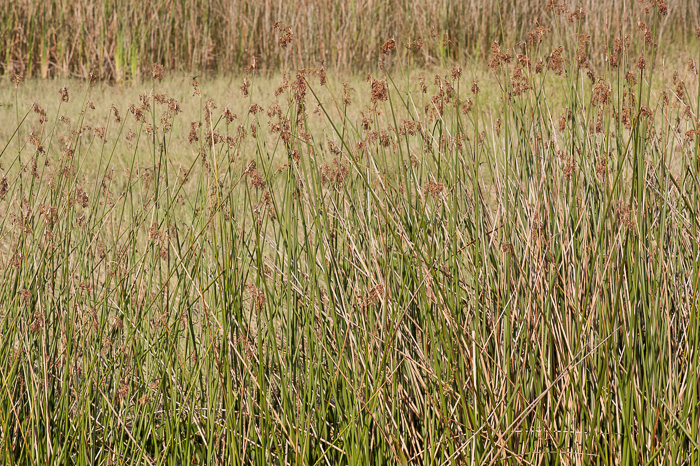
{"x":119,"y":40}
{"x":475,"y":264}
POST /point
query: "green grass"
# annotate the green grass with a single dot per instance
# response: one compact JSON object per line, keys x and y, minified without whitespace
{"x":388,"y":283}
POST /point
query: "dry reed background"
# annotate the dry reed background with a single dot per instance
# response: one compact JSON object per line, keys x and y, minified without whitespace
{"x":492,"y":267}
{"x":120,"y":39}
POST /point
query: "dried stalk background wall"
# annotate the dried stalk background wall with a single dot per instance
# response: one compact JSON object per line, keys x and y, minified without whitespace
{"x":121,"y":39}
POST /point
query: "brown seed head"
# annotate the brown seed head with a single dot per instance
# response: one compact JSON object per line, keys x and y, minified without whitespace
{"x":252,"y":65}
{"x":641,"y":62}
{"x":423,"y":85}
{"x":379,"y":91}
{"x":286,"y":37}
{"x":17,"y":79}
{"x":157,"y":71}
{"x":434,"y":189}
{"x":92,"y":77}
{"x":498,"y":57}
{"x":556,"y":61}
{"x":388,"y":46}
{"x":414,"y":45}
{"x":228,"y":115}
{"x":117,"y":117}
{"x":346,"y":94}
{"x":245,"y":87}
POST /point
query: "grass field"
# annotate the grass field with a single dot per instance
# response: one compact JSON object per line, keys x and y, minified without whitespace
{"x":485,"y":261}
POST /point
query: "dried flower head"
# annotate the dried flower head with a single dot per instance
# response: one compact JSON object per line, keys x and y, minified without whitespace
{"x":536,"y":35}
{"x":414,"y":45}
{"x":245,"y":87}
{"x":423,"y":85}
{"x":228,"y":115}
{"x":195,"y":86}
{"x":17,"y":80}
{"x":41,"y":112}
{"x":256,"y":179}
{"x":388,"y":46}
{"x":379,"y":90}
{"x":346,"y":94}
{"x":286,"y":37}
{"x":434,"y":189}
{"x":641,"y":62}
{"x":117,"y":117}
{"x":498,"y":57}
{"x":92,"y":78}
{"x":157,"y":71}
{"x":258,"y":296}
{"x":556,"y":61}
{"x":334,"y":174}
{"x":64,"y":94}
{"x":252,"y":65}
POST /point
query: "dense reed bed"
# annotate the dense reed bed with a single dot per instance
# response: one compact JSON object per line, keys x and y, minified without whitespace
{"x":120,"y":39}
{"x":454,"y":268}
